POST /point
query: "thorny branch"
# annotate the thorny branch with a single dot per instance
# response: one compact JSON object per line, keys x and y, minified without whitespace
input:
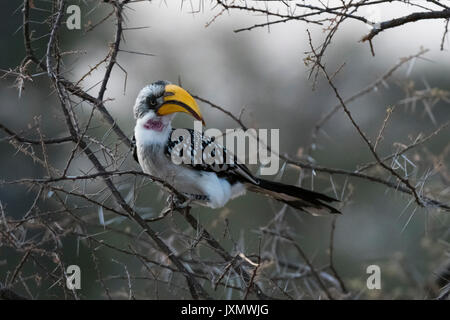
{"x":82,"y":208}
{"x":64,"y":89}
{"x":404,"y":180}
{"x":324,"y":12}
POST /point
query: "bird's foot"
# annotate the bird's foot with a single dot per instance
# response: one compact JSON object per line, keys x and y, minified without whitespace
{"x":175,"y":202}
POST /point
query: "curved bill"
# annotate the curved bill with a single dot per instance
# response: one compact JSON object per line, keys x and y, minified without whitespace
{"x":176,"y":99}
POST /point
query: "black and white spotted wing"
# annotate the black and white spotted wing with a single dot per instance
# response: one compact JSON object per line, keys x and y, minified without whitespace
{"x":201,"y":152}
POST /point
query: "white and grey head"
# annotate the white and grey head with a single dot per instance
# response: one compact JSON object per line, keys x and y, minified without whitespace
{"x":157,"y":103}
{"x":149,"y":97}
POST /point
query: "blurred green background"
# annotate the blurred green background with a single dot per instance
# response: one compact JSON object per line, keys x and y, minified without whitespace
{"x":263,"y":72}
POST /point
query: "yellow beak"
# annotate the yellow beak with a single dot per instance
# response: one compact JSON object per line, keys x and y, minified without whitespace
{"x":176,"y":99}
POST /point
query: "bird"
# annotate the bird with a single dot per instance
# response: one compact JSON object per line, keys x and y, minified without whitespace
{"x":202,"y":182}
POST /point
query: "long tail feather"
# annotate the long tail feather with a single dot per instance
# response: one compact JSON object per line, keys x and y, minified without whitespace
{"x":306,"y":200}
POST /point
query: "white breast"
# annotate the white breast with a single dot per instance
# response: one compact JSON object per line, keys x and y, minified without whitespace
{"x":150,"y":150}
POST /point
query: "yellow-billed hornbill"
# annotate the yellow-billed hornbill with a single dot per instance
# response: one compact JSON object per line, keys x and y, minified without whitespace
{"x":213,"y":184}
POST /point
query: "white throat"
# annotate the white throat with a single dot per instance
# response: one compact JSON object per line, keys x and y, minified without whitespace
{"x":145,"y":136}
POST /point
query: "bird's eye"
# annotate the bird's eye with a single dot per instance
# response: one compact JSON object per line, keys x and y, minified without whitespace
{"x":151,"y":102}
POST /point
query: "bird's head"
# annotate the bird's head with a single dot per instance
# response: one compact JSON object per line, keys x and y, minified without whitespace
{"x":158,"y":102}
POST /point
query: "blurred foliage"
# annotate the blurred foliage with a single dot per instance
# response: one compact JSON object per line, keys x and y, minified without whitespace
{"x":370,"y":231}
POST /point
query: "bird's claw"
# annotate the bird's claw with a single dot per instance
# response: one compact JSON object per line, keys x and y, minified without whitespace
{"x":177,"y":203}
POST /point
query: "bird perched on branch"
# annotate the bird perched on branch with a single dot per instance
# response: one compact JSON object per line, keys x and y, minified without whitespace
{"x":204,"y":183}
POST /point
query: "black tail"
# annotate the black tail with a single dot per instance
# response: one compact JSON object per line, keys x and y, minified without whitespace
{"x":309,"y":201}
